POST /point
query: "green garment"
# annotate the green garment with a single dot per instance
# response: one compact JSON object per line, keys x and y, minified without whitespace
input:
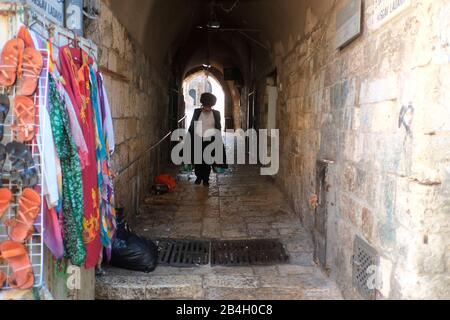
{"x":73,"y":208}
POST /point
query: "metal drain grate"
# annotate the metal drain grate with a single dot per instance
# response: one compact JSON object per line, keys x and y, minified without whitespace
{"x":248,"y":252}
{"x":183,"y":253}
{"x":365,"y":264}
{"x":186,"y":253}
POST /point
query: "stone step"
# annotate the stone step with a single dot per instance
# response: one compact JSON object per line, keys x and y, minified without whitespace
{"x":287,"y":282}
{"x":149,"y":288}
{"x":159,"y":208}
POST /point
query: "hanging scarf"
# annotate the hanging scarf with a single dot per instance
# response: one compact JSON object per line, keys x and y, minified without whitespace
{"x":100,"y":153}
{"x":109,"y":213}
{"x":72,"y":181}
{"x":75,"y":73}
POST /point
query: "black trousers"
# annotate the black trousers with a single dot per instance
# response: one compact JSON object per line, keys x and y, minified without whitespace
{"x":203,"y":171}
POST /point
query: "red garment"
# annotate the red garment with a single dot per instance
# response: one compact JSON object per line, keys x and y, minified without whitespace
{"x":75,"y":79}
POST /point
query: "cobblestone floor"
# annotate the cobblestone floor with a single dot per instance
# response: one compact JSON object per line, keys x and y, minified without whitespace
{"x":238,"y":205}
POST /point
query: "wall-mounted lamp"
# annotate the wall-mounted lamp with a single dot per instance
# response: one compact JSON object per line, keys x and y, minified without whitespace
{"x":214,"y":25}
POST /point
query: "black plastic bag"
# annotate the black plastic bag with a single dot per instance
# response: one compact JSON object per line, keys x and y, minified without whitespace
{"x":131,"y":252}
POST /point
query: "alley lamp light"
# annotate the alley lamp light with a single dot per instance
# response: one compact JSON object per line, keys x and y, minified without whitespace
{"x":214,"y":25}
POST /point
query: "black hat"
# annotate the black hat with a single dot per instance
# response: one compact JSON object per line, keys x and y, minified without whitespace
{"x":208,"y":100}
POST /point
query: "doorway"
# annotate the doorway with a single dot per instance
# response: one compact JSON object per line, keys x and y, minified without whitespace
{"x":197,"y":84}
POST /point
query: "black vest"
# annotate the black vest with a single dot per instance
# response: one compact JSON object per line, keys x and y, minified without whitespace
{"x":196,"y":117}
{"x":218,"y":126}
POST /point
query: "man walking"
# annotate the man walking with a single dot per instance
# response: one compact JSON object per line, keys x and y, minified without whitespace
{"x":204,"y":125}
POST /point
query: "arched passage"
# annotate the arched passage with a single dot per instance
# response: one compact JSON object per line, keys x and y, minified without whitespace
{"x":199,"y":83}
{"x":232,"y":101}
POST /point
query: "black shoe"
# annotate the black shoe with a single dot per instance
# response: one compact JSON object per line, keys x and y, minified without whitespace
{"x":206,"y":183}
{"x":198,"y":182}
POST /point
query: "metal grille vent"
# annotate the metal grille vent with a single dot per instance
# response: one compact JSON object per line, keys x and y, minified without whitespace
{"x":183,"y":253}
{"x":365,"y":258}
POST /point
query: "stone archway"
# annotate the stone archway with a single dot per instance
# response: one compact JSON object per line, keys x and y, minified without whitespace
{"x":232,"y":95}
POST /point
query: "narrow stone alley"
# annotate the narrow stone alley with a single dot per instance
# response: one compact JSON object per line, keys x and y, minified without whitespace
{"x":359,"y":96}
{"x":238,"y":205}
{"x":348,"y":101}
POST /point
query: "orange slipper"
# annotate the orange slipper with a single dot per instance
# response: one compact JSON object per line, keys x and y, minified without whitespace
{"x":31,"y":68}
{"x":2,"y":279}
{"x":5,"y":200}
{"x":25,"y":35}
{"x":21,"y":228}
{"x":16,"y":255}
{"x":25,"y":114}
{"x":10,"y":61}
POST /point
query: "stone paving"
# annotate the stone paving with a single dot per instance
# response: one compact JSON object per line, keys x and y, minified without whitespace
{"x":238,"y":205}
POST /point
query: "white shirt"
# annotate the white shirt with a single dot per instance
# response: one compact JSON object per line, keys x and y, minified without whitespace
{"x":208,"y":122}
{"x":45,"y":141}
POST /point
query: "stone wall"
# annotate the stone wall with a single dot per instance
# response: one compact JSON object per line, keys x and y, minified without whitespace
{"x":390,"y":185}
{"x":139,"y":95}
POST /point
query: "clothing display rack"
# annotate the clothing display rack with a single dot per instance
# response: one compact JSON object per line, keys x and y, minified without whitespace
{"x":60,"y":36}
{"x":69,"y":200}
{"x":35,"y":245}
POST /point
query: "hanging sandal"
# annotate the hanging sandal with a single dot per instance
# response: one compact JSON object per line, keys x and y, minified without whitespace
{"x":10,"y":61}
{"x":5,"y":200}
{"x":16,"y":256}
{"x":25,"y":117}
{"x":23,"y":168}
{"x":18,"y":152}
{"x":25,"y":35}
{"x":21,"y":228}
{"x":32,"y":63}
